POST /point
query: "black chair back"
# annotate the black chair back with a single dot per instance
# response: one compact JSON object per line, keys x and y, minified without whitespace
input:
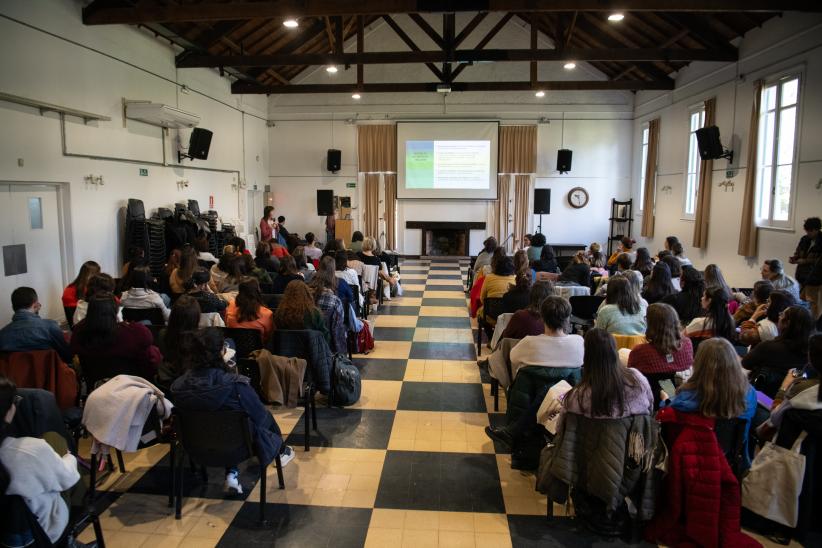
{"x":247,"y":340}
{"x":585,"y":307}
{"x":94,"y":370}
{"x":355,"y":290}
{"x":266,"y":288}
{"x":206,"y":264}
{"x":153,"y":315}
{"x":69,"y":311}
{"x":730,"y":433}
{"x":492,"y":307}
{"x":249,"y":368}
{"x":272,"y":300}
{"x":214,"y":438}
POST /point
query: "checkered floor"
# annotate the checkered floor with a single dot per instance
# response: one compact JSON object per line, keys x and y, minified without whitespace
{"x":408,"y":465}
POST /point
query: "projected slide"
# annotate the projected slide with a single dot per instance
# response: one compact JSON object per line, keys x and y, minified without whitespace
{"x":447,"y":164}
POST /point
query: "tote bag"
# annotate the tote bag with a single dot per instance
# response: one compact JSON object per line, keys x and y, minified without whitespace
{"x":772,"y":487}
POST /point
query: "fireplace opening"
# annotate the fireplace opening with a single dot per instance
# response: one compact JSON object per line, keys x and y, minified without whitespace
{"x":446,"y":242}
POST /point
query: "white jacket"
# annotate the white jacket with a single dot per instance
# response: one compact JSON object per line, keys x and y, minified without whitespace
{"x":116,"y":411}
{"x":38,"y":475}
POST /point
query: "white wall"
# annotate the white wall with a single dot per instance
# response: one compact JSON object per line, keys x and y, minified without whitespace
{"x":47,"y":54}
{"x":597,"y":127}
{"x":790,"y":42}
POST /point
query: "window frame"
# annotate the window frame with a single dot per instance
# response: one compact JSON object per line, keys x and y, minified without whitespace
{"x":692,"y":150}
{"x":644,"y":139}
{"x":778,"y":80}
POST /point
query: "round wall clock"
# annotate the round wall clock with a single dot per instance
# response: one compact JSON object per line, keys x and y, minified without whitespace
{"x":577,"y":197}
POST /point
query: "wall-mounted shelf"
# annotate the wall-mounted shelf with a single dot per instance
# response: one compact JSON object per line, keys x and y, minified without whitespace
{"x":44,"y":107}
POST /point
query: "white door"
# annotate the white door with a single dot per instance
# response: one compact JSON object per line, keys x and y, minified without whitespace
{"x":255,"y":212}
{"x":29,"y":218}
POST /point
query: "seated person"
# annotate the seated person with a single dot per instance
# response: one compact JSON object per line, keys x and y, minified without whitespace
{"x":643,"y":263}
{"x":101,"y":336}
{"x":76,"y":290}
{"x":278,"y":250}
{"x":622,"y":312}
{"x":185,"y":317}
{"x":762,"y":325}
{"x":304,"y":266}
{"x":761,"y":291}
{"x":226,"y":274}
{"x":201,"y":292}
{"x":264,"y":260}
{"x":281,"y":229}
{"x":102,"y":284}
{"x":327,"y":296}
{"x":356,"y":241}
{"x":311,"y":250}
{"x":181,"y":275}
{"x":516,"y":298}
{"x":625,"y":245}
{"x":239,"y":246}
{"x":659,"y":285}
{"x":623,"y":268}
{"x":577,"y":272}
{"x":203,"y":254}
{"x":297,"y":310}
{"x":250,"y":268}
{"x":208,"y":384}
{"x":288,"y":273}
{"x":342,"y":270}
{"x":32,"y":470}
{"x":774,"y":272}
{"x":717,"y":321}
{"x":546,"y":262}
{"x":28,"y":331}
{"x":496,"y":283}
{"x":769,"y":361}
{"x":718,"y":388}
{"x":484,"y":257}
{"x":136,"y":254}
{"x":554,"y":347}
{"x":678,"y":252}
{"x":140,"y":296}
{"x":688,"y":301}
{"x":247,"y":310}
{"x":676,"y":270}
{"x":367,"y":256}
{"x":528,"y":321}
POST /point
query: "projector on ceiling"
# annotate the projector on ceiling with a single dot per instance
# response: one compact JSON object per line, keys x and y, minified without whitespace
{"x":158,"y":114}
{"x":443,"y":88}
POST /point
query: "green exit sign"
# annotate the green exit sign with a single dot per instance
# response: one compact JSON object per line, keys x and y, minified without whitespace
{"x":143,"y":172}
{"x":350,"y":185}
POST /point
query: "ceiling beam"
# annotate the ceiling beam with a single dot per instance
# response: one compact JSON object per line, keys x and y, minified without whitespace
{"x":428,"y":29}
{"x":196,"y":60}
{"x":469,"y":28}
{"x":244,"y":87}
{"x":484,"y":42}
{"x":104,"y":12}
{"x":410,"y":43}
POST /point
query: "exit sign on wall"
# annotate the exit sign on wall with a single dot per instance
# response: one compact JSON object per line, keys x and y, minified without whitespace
{"x":350,"y":185}
{"x":143,"y":172}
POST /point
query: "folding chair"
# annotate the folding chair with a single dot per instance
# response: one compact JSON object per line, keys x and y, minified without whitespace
{"x":491,"y":308}
{"x":153,"y":315}
{"x":247,"y":340}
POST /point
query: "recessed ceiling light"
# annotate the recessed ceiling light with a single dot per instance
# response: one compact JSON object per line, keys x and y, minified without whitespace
{"x":331,"y":69}
{"x":540,"y":93}
{"x":615,"y":17}
{"x":356,"y":96}
{"x":569,"y":65}
{"x":291,"y":23}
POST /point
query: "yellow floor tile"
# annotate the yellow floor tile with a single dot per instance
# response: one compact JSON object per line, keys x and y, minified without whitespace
{"x":492,"y":540}
{"x":421,"y":520}
{"x":456,"y":539}
{"x":457,"y":521}
{"x":379,"y":395}
{"x":406,"y":301}
{"x":395,"y":350}
{"x":415,"y":286}
{"x":380,"y":538}
{"x":385,"y":320}
{"x":444,"y":311}
{"x":420,"y":539}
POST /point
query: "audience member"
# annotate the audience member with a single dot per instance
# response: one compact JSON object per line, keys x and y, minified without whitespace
{"x":808,"y":261}
{"x":537,"y":242}
{"x":774,"y":272}
{"x":659,"y":285}
{"x":496,"y":284}
{"x":278,"y":250}
{"x":297,"y":310}
{"x":484,"y":257}
{"x":281,"y":229}
{"x":264,"y":260}
{"x":688,"y":302}
{"x":762,"y":325}
{"x":326,"y":291}
{"x":99,"y":284}
{"x":135,"y":254}
{"x":250,"y":268}
{"x":311,"y":250}
{"x":769,"y":360}
{"x":622,"y":312}
{"x":555,"y":347}
{"x":226,"y":274}
{"x":527,"y":321}
{"x":625,"y":246}
{"x":248,"y":312}
{"x":547,"y":261}
{"x":304,"y":266}
{"x":210,"y":385}
{"x":714,"y":278}
{"x":140,"y":296}
{"x":356,"y":241}
{"x":182,"y":274}
{"x":717,"y":321}
{"x":667,"y":350}
{"x":28,"y":331}
{"x":643,"y":263}
{"x":201,"y":292}
{"x":368,"y":255}
{"x":761,"y":291}
{"x":288,"y":273}
{"x":526,"y":242}
{"x":76,"y":290}
{"x":678,"y":252}
{"x":203,"y":253}
{"x":516,"y":298}
{"x":185,"y":317}
{"x":577,"y":272}
{"x":675,"y":268}
{"x":239,"y":246}
{"x":596,"y":258}
{"x":101,"y":337}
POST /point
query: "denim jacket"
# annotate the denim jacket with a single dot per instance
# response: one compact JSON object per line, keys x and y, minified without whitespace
{"x":28,"y":331}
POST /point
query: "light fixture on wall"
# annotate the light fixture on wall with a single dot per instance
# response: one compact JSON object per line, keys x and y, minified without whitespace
{"x":616,"y":17}
{"x":291,"y":23}
{"x":540,"y":93}
{"x":570,"y":65}
{"x":356,"y":95}
{"x":331,"y":69}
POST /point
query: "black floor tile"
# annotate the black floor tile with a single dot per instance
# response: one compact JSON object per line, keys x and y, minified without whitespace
{"x":451,"y":482}
{"x":537,"y":531}
{"x":434,"y":268}
{"x":444,"y":276}
{"x":449,"y":287}
{"x":442,"y":351}
{"x":394,"y":333}
{"x":498,"y":419}
{"x":440,"y":321}
{"x":376,"y":369}
{"x":298,"y":526}
{"x":413,"y":294}
{"x":414,"y":270}
{"x":351,"y":428}
{"x":434,"y":301}
{"x":156,"y":481}
{"x":431,"y":396}
{"x":397,"y":310}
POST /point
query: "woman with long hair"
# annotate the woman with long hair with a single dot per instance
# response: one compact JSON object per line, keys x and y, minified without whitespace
{"x":202,"y":248}
{"x":99,"y":284}
{"x":528,"y":320}
{"x":516,"y":298}
{"x":208,"y":384}
{"x":678,"y":251}
{"x":659,"y":284}
{"x":762,"y":325}
{"x":185,"y":317}
{"x":622,"y":312}
{"x":247,"y":310}
{"x":250,"y":268}
{"x":496,"y":283}
{"x":297,"y":310}
{"x":304,"y":264}
{"x":140,"y":295}
{"x":182,"y":274}
{"x":607,"y":390}
{"x":484,"y":256}
{"x":577,"y":272}
{"x":714,"y":278}
{"x":264,"y":260}
{"x":76,"y":290}
{"x":226,"y":274}
{"x":688,"y":302}
{"x":667,"y":350}
{"x":769,"y":360}
{"x":717,"y":321}
{"x":675,"y":268}
{"x":643,"y":263}
{"x":267,"y":224}
{"x":288,"y":273}
{"x":325,"y":288}
{"x":596,"y":258}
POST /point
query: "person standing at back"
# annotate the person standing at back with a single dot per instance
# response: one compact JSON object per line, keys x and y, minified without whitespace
{"x":267,"y":224}
{"x":808,"y":261}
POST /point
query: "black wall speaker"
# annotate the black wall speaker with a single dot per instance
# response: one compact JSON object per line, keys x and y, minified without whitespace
{"x":564,"y":160}
{"x":325,"y":202}
{"x":333,"y":161}
{"x":708,"y":143}
{"x":542,"y":201}
{"x":199,"y":143}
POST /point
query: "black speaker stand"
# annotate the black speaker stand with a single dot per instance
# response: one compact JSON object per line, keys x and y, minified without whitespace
{"x":539,"y":227}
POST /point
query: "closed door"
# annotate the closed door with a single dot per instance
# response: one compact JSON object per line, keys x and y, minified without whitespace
{"x":255,"y":211}
{"x":30,"y":240}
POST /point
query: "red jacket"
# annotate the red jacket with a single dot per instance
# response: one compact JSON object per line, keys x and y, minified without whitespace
{"x":41,"y":369}
{"x":702,"y":501}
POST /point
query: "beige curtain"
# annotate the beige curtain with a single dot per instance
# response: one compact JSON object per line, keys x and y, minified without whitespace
{"x":650,"y":180}
{"x":748,"y":231}
{"x":376,"y":148}
{"x":372,"y":205}
{"x":390,"y":210}
{"x":523,"y":190}
{"x":703,"y":197}
{"x":517,"y":149}
{"x":503,"y":186}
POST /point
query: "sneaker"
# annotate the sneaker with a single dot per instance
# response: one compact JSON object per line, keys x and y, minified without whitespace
{"x":232,"y":484}
{"x":287,"y":455}
{"x":499,"y":434}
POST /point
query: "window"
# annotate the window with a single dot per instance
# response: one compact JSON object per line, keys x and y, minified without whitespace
{"x":776,"y":151}
{"x":644,"y":165}
{"x":696,"y":121}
